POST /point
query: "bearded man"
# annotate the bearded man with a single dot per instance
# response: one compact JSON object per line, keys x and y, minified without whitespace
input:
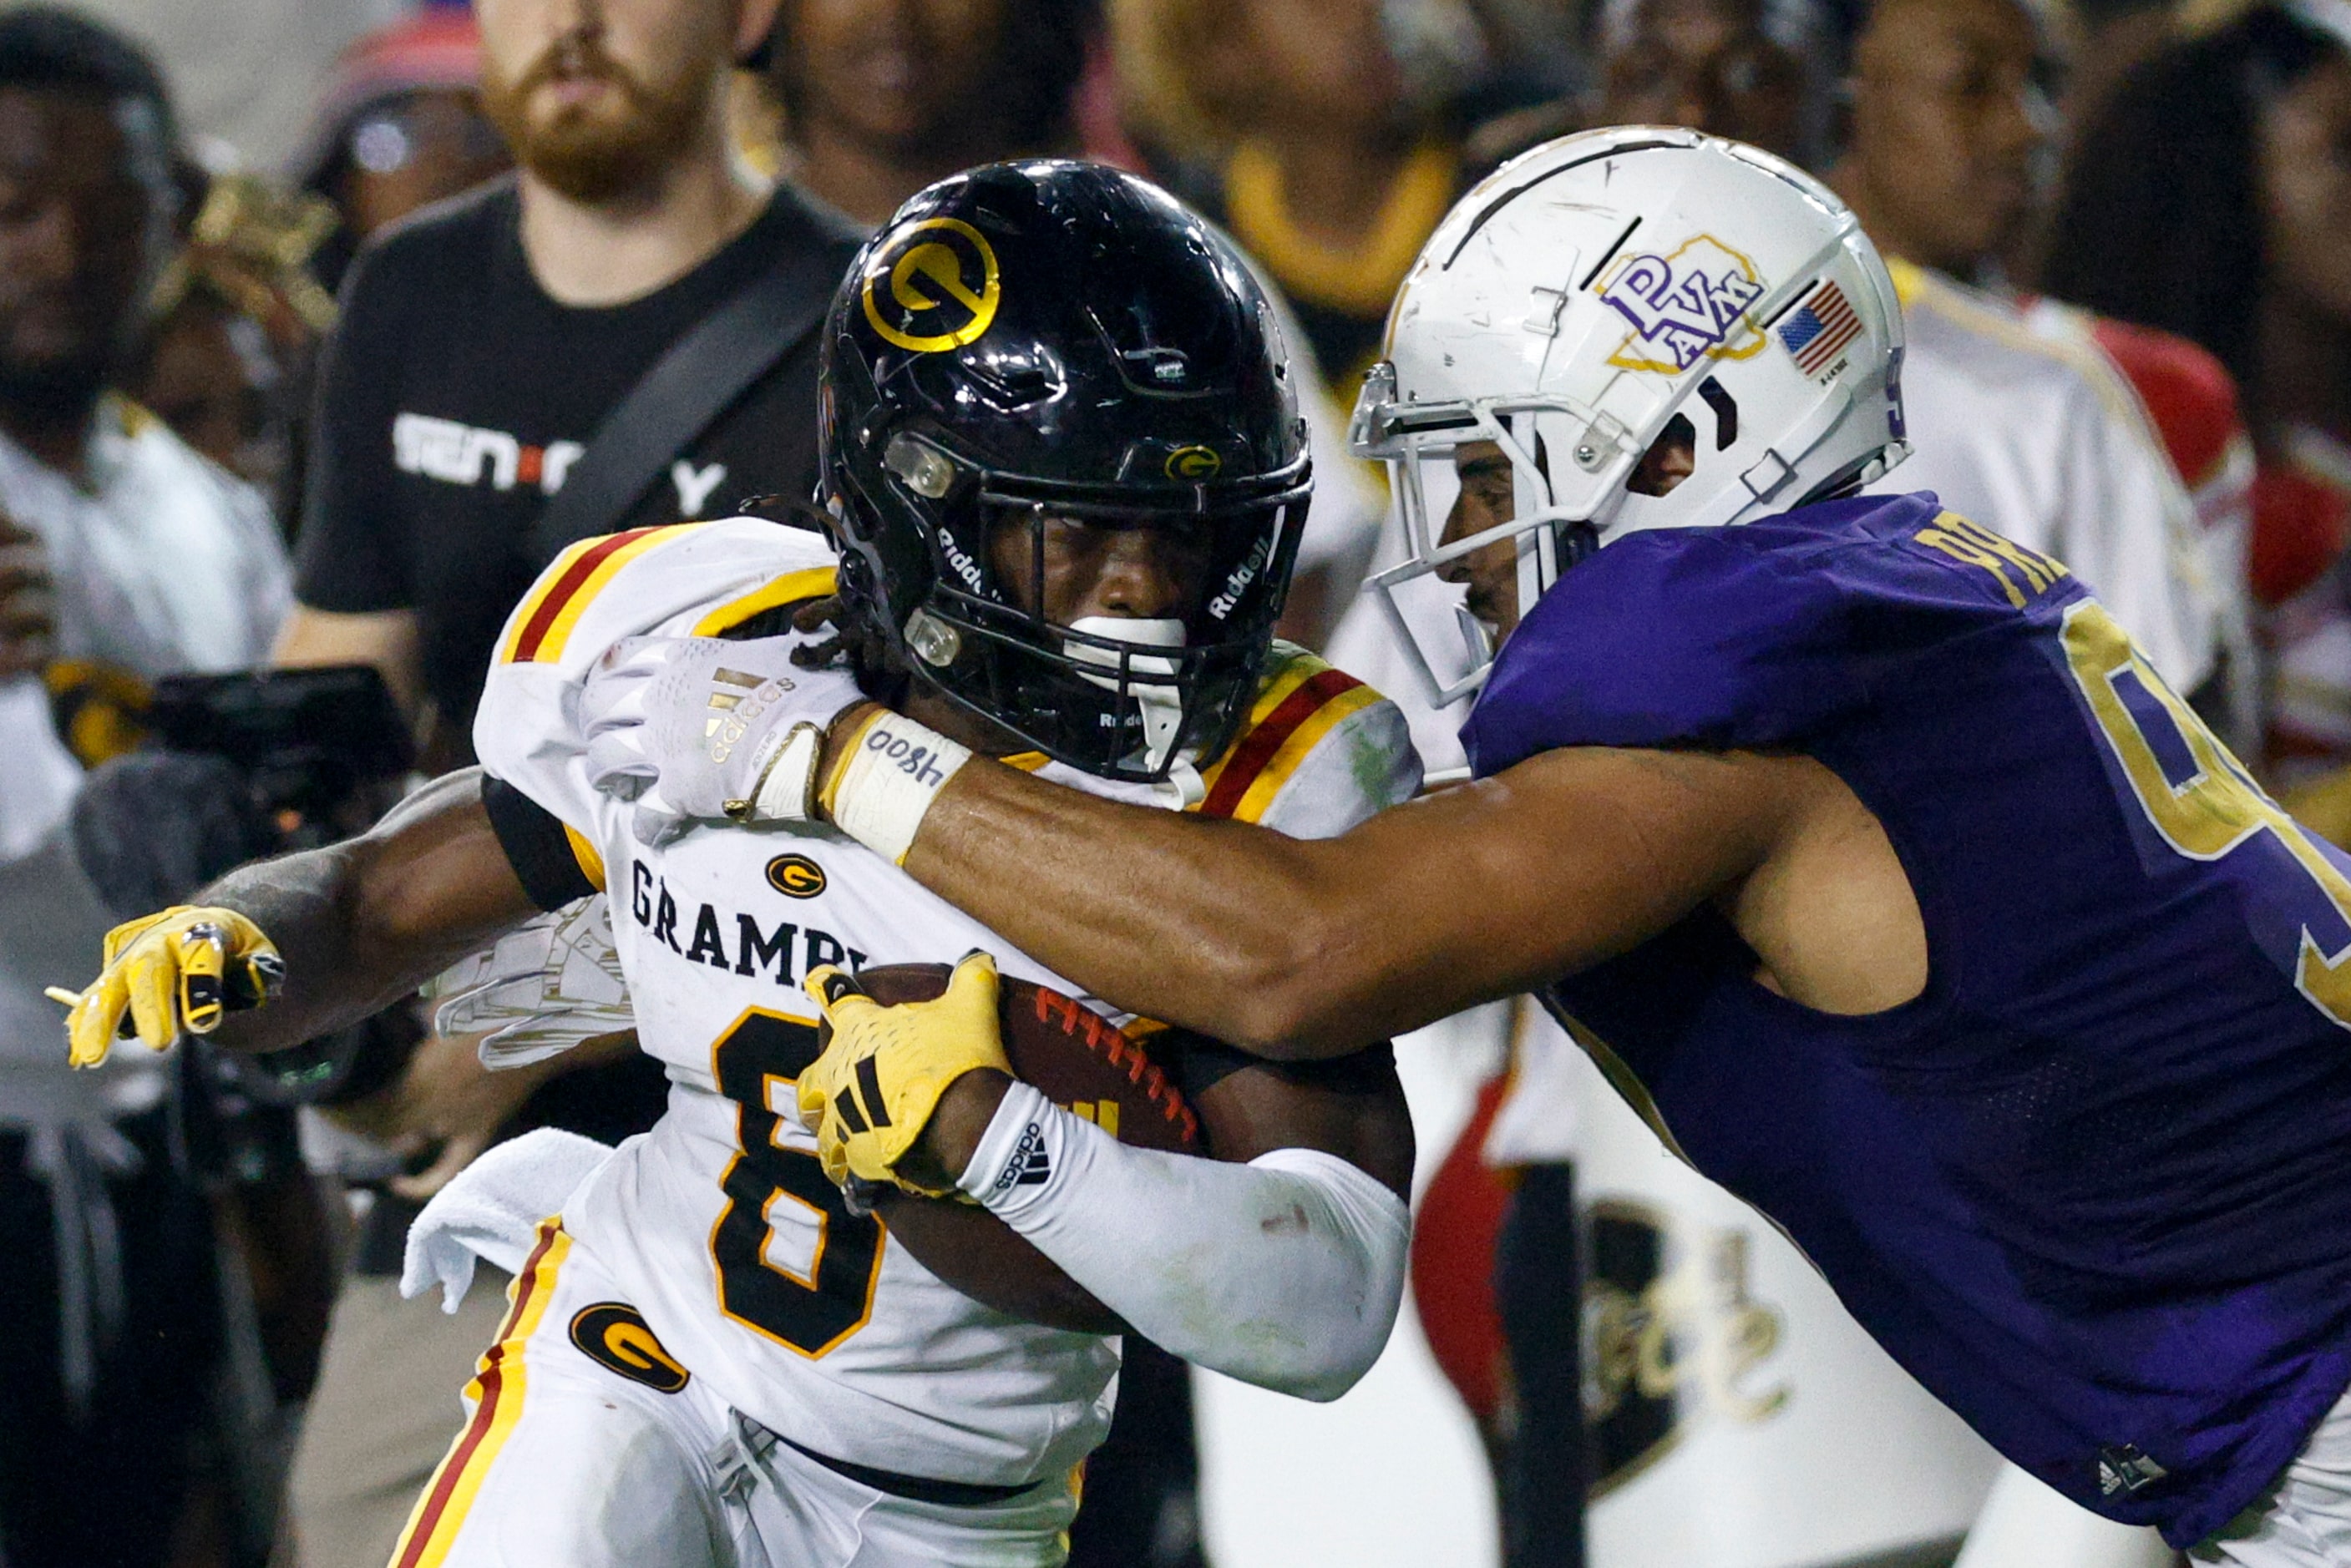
{"x":487,"y":348}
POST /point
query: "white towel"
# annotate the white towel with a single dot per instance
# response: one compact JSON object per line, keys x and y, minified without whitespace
{"x":493,"y":1209}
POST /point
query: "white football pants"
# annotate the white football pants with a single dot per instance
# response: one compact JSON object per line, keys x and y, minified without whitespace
{"x":2305,"y":1521}
{"x":587,"y":1447}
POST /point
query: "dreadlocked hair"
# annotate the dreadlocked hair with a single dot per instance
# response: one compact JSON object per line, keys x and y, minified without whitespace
{"x":853,"y":646}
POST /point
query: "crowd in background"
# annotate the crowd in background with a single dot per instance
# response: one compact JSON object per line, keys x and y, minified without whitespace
{"x":2121,"y":233}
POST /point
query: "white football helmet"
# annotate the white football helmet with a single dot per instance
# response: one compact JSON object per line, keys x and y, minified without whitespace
{"x":1586,"y":293}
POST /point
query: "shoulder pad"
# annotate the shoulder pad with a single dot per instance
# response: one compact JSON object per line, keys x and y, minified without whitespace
{"x":692,"y":579}
{"x":1319,"y":752}
{"x":1764,"y":636}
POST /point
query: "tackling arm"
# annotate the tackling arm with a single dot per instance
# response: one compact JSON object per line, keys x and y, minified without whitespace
{"x":366,"y":921}
{"x":1302,"y":949}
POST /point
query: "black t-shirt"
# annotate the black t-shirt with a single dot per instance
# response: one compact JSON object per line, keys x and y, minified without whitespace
{"x":455,"y":394}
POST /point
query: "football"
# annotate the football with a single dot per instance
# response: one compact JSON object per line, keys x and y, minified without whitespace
{"x":1081,"y":1062}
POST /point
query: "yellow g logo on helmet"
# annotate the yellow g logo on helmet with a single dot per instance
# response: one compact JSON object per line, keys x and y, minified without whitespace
{"x":1193,"y":462}
{"x":931,"y":285}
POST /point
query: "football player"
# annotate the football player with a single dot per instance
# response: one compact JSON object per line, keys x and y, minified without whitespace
{"x":1859,"y":844}
{"x":1064,"y":455}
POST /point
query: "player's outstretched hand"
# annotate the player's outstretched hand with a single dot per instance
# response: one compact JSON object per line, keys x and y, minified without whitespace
{"x":870,"y":1095}
{"x":167,"y":974}
{"x":702,"y":729}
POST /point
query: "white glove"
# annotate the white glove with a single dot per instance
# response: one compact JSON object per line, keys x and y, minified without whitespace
{"x":547,"y":986}
{"x":701,"y":728}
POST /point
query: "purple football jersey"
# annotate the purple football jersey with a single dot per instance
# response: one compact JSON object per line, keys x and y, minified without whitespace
{"x":2092,"y":1187}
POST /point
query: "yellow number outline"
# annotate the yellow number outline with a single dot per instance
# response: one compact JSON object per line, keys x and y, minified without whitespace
{"x":2217,"y":810}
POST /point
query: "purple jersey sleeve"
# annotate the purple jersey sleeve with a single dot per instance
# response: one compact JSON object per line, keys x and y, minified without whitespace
{"x":1720,"y":638}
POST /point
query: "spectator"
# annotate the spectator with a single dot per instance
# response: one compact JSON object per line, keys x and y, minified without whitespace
{"x":1687,"y":62}
{"x":1216,"y":88}
{"x":1299,"y":126}
{"x":159,"y":562}
{"x":400,"y":127}
{"x":2033,"y":434}
{"x":1949,"y":108}
{"x":245,"y":74}
{"x":235,"y":319}
{"x":483,"y":348}
{"x":1684,"y":62}
{"x":208,"y":371}
{"x":2210,"y":197}
{"x":883,"y":96}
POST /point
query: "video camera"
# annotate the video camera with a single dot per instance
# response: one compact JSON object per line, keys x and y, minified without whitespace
{"x":315,"y":746}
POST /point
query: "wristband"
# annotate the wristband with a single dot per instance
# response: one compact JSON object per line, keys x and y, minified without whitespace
{"x":1018,"y":1153}
{"x":880,"y":790}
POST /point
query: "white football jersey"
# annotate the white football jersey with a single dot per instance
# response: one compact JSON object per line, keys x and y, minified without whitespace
{"x":2042,"y":441}
{"x":738,"y":1252}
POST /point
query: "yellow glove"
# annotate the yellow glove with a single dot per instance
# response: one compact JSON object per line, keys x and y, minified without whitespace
{"x":872,"y":1093}
{"x":177,"y":971}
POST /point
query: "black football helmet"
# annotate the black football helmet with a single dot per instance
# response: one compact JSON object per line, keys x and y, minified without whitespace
{"x":1055,"y":339}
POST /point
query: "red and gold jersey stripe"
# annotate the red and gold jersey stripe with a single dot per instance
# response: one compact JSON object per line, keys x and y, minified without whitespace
{"x":1304,"y":700}
{"x":497,"y":1394}
{"x":542,"y":624}
{"x":793,"y":587}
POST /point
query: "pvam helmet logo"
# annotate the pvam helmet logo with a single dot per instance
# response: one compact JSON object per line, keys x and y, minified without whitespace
{"x":931,"y":285}
{"x":1692,"y":301}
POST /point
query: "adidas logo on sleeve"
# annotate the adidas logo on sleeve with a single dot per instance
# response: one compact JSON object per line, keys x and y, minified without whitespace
{"x":1030,"y":1165}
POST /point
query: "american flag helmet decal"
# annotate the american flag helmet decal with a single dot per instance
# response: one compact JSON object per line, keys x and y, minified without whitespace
{"x":1816,"y":330}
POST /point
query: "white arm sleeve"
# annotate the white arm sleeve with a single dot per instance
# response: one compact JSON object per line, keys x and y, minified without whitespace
{"x":1285,"y":1273}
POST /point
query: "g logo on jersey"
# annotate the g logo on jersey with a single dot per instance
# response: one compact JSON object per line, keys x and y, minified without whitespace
{"x":614,"y":1337}
{"x":796,"y":876}
{"x":1689,"y":302}
{"x":931,"y":285}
